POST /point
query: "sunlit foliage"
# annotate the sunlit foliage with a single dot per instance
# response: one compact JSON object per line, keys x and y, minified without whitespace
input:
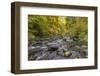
{"x":51,"y":26}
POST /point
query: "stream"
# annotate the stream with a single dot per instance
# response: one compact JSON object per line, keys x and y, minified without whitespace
{"x":56,"y":48}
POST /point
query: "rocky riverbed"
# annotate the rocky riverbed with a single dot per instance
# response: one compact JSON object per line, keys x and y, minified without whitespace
{"x":56,"y":48}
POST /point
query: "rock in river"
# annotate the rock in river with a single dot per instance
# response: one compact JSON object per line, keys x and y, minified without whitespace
{"x":36,"y":49}
{"x":84,"y":53}
{"x":52,"y":55}
{"x":60,"y":52}
{"x":53,"y":46}
{"x":67,"y":53}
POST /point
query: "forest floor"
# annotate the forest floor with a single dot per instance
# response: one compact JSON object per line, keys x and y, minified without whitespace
{"x":56,"y":48}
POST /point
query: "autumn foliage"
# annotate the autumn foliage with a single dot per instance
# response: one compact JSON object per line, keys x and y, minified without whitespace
{"x":50,"y":26}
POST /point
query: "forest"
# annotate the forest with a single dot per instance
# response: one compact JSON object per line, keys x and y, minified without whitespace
{"x":57,"y":37}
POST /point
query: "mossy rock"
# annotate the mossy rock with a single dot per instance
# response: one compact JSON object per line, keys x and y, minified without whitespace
{"x":67,"y":53}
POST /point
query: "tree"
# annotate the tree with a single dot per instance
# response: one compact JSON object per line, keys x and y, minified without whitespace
{"x":51,"y":26}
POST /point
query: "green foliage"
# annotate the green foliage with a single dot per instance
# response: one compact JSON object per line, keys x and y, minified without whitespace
{"x":50,"y":26}
{"x":77,"y":27}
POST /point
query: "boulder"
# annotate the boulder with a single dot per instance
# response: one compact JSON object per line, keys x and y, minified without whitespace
{"x":68,"y":39}
{"x":84,"y":46}
{"x":60,"y":52}
{"x":42,"y":55}
{"x":75,"y":54}
{"x":59,"y":57}
{"x":60,"y":41}
{"x":67,"y":53}
{"x":77,"y":48}
{"x":31,"y":48}
{"x":84,"y":53}
{"x":36,"y":49}
{"x":53,"y":46}
{"x":52,"y":55}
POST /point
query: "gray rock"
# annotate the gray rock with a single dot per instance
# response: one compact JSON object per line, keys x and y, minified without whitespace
{"x":37,"y":49}
{"x":68,"y":39}
{"x":56,"y":48}
{"x":59,"y":41}
{"x":77,"y":48}
{"x":38,"y":43}
{"x":41,"y":55}
{"x":84,"y":53}
{"x":60,"y":52}
{"x":53,"y":46}
{"x":84,"y":46}
{"x":32,"y":50}
{"x":52,"y":55}
{"x":75,"y":54}
{"x":59,"y":57}
{"x":44,"y":48}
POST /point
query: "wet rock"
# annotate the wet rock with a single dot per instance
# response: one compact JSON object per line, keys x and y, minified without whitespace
{"x":36,"y":49}
{"x":64,"y":48}
{"x":84,"y":46}
{"x":53,"y":46}
{"x":68,"y":39}
{"x":75,"y":54}
{"x":59,"y":41}
{"x":42,"y":57}
{"x":52,"y":55}
{"x":60,"y":52}
{"x":31,"y":48}
{"x":44,"y":43}
{"x":84,"y":53}
{"x":36,"y":56}
{"x":44,"y":48}
{"x":56,"y":48}
{"x":77,"y":48}
{"x":59,"y":57}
